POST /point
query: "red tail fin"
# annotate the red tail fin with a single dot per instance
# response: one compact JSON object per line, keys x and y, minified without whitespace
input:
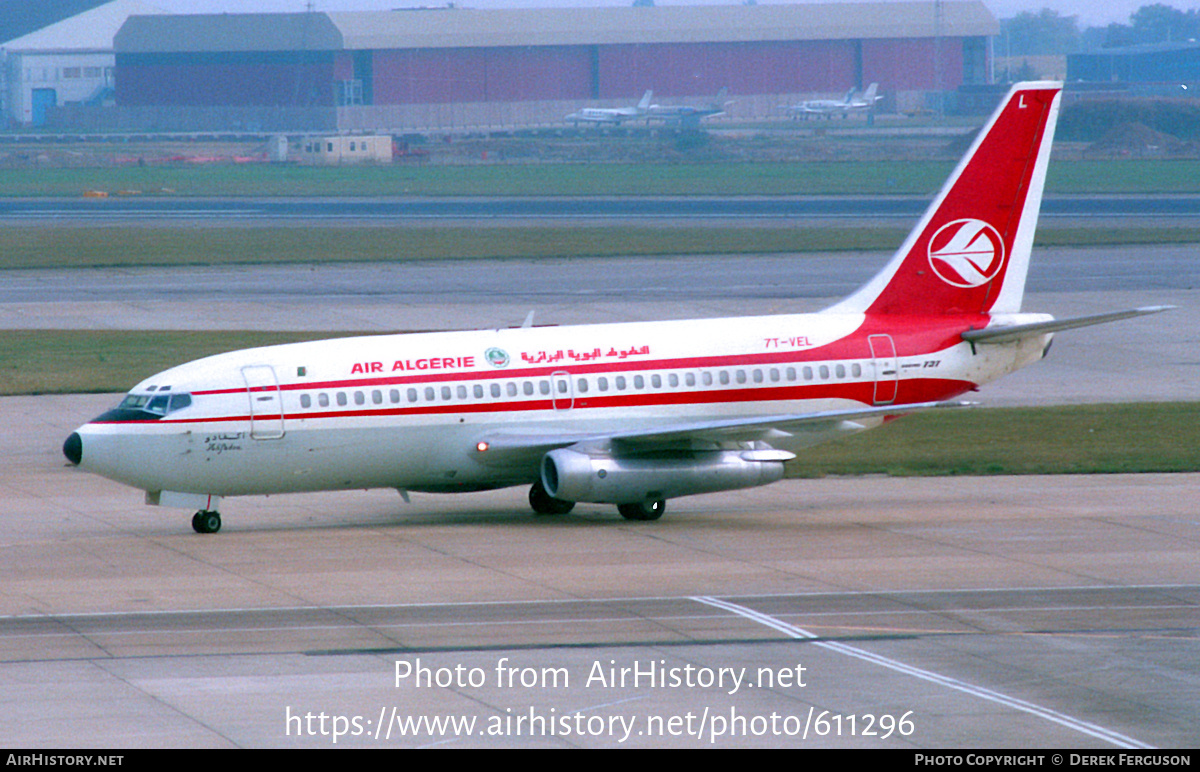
{"x":970,"y":251}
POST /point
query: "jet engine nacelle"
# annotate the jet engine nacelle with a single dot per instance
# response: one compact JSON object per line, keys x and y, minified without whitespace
{"x":574,"y":476}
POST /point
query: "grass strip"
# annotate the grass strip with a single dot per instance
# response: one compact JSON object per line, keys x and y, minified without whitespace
{"x":130,"y":245}
{"x":847,"y":177}
{"x":1077,"y":439}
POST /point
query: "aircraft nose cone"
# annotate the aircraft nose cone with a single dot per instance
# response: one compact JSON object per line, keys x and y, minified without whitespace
{"x":73,"y":448}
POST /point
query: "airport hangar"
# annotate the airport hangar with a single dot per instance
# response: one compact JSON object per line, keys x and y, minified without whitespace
{"x":455,"y":68}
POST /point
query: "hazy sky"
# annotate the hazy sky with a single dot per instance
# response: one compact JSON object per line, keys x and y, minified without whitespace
{"x":1090,"y":12}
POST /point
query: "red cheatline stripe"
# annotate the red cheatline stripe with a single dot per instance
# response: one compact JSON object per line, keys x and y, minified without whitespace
{"x":916,"y":390}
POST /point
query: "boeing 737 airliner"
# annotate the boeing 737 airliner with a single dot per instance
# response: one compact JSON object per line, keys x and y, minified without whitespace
{"x":627,"y":414}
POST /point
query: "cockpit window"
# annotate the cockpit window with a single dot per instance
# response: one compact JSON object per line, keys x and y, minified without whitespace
{"x":147,"y":407}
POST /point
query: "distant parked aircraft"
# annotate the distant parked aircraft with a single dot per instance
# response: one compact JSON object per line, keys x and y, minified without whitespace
{"x":844,"y":106}
{"x":615,"y":115}
{"x":688,"y":116}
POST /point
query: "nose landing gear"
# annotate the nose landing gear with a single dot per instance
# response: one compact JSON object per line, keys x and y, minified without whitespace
{"x":206,"y":521}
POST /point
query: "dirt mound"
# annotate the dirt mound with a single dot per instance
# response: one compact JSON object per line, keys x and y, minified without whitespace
{"x":1137,"y":139}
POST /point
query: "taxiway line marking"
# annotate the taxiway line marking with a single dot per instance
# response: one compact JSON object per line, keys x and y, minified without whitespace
{"x":1085,"y":727}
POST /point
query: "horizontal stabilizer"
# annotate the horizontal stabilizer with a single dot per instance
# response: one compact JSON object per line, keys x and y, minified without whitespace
{"x":1012,"y":332}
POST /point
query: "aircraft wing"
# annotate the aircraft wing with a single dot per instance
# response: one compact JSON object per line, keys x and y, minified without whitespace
{"x":762,"y":428}
{"x":506,"y":447}
{"x":1011,"y":332}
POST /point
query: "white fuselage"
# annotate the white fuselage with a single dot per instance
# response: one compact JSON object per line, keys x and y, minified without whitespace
{"x":408,"y":411}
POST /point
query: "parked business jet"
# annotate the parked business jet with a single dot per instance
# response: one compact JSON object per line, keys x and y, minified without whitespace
{"x":612,"y":114}
{"x":688,"y":116}
{"x":627,"y":414}
{"x":844,"y":106}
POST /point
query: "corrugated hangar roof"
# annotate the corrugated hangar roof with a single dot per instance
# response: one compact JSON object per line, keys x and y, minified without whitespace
{"x":20,"y":17}
{"x":474,"y":28}
{"x":228,"y":32}
{"x":91,"y":30}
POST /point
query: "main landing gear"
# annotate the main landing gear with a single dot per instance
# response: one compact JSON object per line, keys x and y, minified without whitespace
{"x":206,"y":521}
{"x":643,"y":510}
{"x":545,"y":504}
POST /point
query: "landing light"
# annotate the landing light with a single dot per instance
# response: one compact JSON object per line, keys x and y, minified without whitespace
{"x":481,"y":446}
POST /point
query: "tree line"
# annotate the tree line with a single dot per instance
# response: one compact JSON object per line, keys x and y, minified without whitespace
{"x":1032,"y":33}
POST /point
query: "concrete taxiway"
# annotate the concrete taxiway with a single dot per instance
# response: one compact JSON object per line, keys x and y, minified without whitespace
{"x":918,"y":613}
{"x":596,"y":208}
{"x":1026,"y":612}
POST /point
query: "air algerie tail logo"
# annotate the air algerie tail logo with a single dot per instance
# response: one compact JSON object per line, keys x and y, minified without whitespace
{"x":966,"y":253}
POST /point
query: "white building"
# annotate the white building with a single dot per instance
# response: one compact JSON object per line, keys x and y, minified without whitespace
{"x":352,"y":149}
{"x":71,"y":61}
